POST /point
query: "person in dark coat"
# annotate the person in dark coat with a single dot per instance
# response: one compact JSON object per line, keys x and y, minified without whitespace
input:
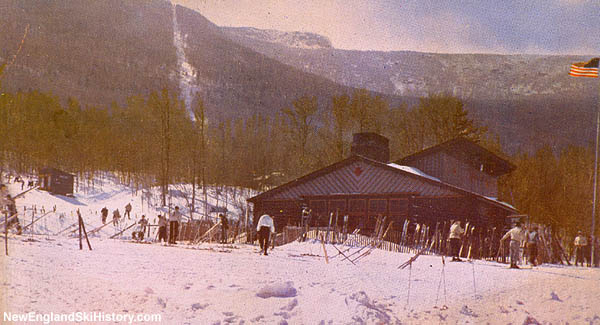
{"x":162,"y":229}
{"x":174,"y":221}
{"x":104,"y":213}
{"x":116,"y":217}
{"x":224,"y":227}
{"x":532,"y":242}
{"x":127,"y":211}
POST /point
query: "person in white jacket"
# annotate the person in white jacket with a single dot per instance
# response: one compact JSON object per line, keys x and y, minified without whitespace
{"x":456,"y":233}
{"x":264,"y":228}
{"x":516,"y":235}
{"x":581,"y":244}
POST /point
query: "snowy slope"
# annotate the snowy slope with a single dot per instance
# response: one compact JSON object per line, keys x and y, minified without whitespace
{"x":113,"y":195}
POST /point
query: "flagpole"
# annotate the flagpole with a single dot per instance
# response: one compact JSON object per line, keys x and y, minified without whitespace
{"x":593,"y":243}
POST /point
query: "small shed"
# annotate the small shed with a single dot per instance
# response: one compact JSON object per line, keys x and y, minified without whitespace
{"x":56,"y":181}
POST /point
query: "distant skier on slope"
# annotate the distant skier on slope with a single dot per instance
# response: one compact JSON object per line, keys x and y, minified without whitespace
{"x":264,"y":228}
{"x":456,"y":233}
{"x":516,"y":236}
{"x":116,"y":217}
{"x":127,"y":211}
{"x":104,"y":213}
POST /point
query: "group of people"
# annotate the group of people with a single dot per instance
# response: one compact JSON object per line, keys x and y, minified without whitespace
{"x":168,"y":226}
{"x":172,"y":224}
{"x":116,"y":214}
{"x":583,"y":250}
{"x":19,"y":179}
{"x":516,"y":235}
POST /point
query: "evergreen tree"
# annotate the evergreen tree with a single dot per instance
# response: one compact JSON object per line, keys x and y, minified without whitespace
{"x":444,"y":118}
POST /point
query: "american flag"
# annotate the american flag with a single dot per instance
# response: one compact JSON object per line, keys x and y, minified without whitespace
{"x":585,"y":69}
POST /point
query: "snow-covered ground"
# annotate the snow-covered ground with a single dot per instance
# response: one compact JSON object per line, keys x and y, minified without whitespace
{"x":221,"y":284}
{"x":215,"y":284}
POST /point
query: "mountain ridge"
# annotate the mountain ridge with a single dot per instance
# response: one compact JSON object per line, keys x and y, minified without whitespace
{"x":103,"y":52}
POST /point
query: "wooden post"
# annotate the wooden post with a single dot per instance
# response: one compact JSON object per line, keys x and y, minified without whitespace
{"x":84,"y":232}
{"x":80,"y":243}
{"x":325,"y":251}
{"x":31,"y":230}
{"x":329,"y":227}
{"x":336,"y":231}
{"x":6,"y":233}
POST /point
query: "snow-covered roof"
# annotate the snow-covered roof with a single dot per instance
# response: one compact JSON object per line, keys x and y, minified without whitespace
{"x":413,"y":170}
{"x":500,"y":202}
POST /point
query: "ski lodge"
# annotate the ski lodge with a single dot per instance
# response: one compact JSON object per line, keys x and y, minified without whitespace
{"x":457,"y":179}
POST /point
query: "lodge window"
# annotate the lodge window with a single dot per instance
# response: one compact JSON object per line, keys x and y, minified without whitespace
{"x":273,"y":207}
{"x":337,"y":205}
{"x":377,"y":206}
{"x":398,"y":206}
{"x":318,"y":206}
{"x":358,"y":205}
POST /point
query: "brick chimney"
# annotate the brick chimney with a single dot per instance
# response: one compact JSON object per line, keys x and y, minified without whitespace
{"x":371,"y":145}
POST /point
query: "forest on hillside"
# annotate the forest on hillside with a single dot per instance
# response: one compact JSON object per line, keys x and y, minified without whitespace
{"x":153,"y":141}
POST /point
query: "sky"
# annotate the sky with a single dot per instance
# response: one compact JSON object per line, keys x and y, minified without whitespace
{"x":476,"y":26}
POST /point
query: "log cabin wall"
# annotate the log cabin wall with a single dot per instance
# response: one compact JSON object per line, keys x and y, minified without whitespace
{"x":457,"y":172}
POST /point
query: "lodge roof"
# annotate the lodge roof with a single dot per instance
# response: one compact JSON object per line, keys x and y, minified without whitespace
{"x":415,"y":181}
{"x":468,"y":151}
{"x":55,"y":171}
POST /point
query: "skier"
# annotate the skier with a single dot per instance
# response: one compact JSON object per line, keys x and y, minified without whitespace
{"x":141,"y":228}
{"x":11,"y":208}
{"x":532,"y":240}
{"x":174,"y":221}
{"x":580,"y":243}
{"x":264,"y":227}
{"x":116,"y":217}
{"x":162,"y":229}
{"x":456,"y":232}
{"x":104,"y":213}
{"x":224,"y":226}
{"x":128,"y":211}
{"x":516,"y":237}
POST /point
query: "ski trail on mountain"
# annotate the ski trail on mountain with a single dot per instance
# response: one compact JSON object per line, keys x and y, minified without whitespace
{"x":186,"y":73}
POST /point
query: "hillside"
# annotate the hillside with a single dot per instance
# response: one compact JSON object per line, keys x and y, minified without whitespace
{"x":95,"y":51}
{"x":103,"y":52}
{"x":523,"y":98}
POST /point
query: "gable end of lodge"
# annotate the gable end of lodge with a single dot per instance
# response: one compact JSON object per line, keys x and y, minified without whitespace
{"x":365,"y":186}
